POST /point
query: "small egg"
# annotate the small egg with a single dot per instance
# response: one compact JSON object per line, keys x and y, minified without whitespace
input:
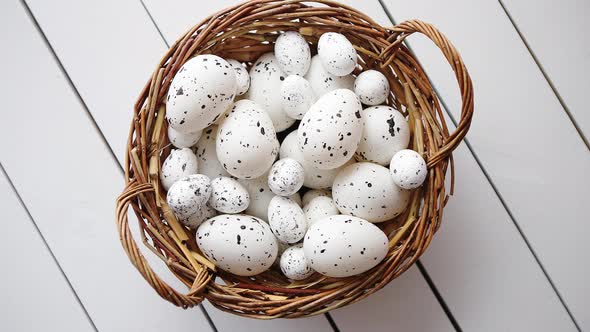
{"x":266,"y":78}
{"x":311,"y":194}
{"x":196,"y":219}
{"x":282,"y":247}
{"x":285,"y":177}
{"x":187,"y":195}
{"x":294,"y":265}
{"x":337,"y":53}
{"x":386,"y":131}
{"x":179,"y":164}
{"x":200,"y":91}
{"x":286,"y":219}
{"x":228,"y":195}
{"x":408,"y":169}
{"x":297,"y":96}
{"x":319,"y":208}
{"x":322,"y":81}
{"x":293,"y":53}
{"x":260,"y":196}
{"x":242,"y":76}
{"x":367,"y":191}
{"x":205,"y":151}
{"x":372,"y":87}
{"x":182,"y":140}
{"x":246,"y":142}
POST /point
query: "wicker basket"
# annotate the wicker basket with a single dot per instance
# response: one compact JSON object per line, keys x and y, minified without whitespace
{"x":244,"y":32}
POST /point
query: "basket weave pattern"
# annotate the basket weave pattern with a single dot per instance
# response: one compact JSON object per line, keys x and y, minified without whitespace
{"x":244,"y":32}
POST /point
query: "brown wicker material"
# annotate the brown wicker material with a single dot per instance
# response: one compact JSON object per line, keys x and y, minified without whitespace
{"x":244,"y":32}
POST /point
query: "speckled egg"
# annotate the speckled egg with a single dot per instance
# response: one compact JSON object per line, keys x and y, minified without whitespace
{"x":179,"y":164}
{"x":343,"y":246}
{"x":260,"y":196}
{"x":408,"y":169}
{"x":228,"y":195}
{"x":366,"y":190}
{"x":205,"y":150}
{"x":330,"y":131}
{"x":385,"y":132}
{"x":246,"y":142}
{"x":200,"y":91}
{"x":282,"y":247}
{"x":322,"y":81}
{"x":266,"y":79}
{"x":242,"y":76}
{"x":194,"y":220}
{"x":311,"y":194}
{"x":285,"y":177}
{"x":238,"y":243}
{"x":286,"y":219}
{"x":182,"y":140}
{"x":187,"y":195}
{"x":337,"y":53}
{"x":294,"y":265}
{"x":372,"y":87}
{"x":293,"y":53}
{"x":319,"y":208}
{"x":313,"y":177}
{"x":297,"y":96}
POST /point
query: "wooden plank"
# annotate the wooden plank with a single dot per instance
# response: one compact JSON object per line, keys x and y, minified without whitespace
{"x":68,"y":181}
{"x":524,"y":140}
{"x":25,"y":300}
{"x":555,"y":34}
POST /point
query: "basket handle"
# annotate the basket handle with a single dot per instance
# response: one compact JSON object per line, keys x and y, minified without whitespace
{"x":405,"y":29}
{"x":141,"y":264}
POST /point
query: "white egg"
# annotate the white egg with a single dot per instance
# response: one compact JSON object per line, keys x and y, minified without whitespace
{"x":286,"y":219}
{"x":228,"y":195}
{"x":322,"y":81}
{"x":337,"y":53}
{"x":187,"y":195}
{"x":200,"y":91}
{"x":266,"y":78}
{"x":242,"y":76}
{"x":294,"y":264}
{"x":182,"y":140}
{"x":246,"y":142}
{"x":408,"y":169}
{"x":194,"y":220}
{"x":285,"y":177}
{"x":343,"y":246}
{"x":367,"y":191}
{"x":179,"y":164}
{"x":205,"y":150}
{"x":372,"y":87}
{"x":331,"y":130}
{"x":238,"y":243}
{"x":293,"y":53}
{"x":319,"y":208}
{"x":260,"y":196}
{"x":313,"y":177}
{"x":297,"y":96}
{"x":282,"y":247}
{"x":311,"y":194}
{"x":385,"y":132}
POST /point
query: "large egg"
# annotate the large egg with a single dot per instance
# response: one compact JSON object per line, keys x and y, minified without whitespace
{"x":366,"y":190}
{"x":205,"y":151}
{"x":286,"y":219}
{"x":239,"y":244}
{"x":322,"y":81}
{"x":187,"y":195}
{"x":200,"y":91}
{"x":337,"y":53}
{"x":293,"y":54}
{"x":343,"y":246}
{"x":246,"y":142}
{"x":179,"y":164}
{"x":385,"y":132}
{"x":330,"y":131}
{"x":266,"y":78}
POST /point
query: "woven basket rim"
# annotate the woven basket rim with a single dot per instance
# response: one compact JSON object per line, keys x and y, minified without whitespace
{"x":245,"y":31}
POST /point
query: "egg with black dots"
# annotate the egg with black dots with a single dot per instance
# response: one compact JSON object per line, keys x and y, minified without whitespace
{"x":183,"y":140}
{"x":179,"y":164}
{"x":319,"y":208}
{"x":337,"y":53}
{"x":322,"y":81}
{"x":194,"y":220}
{"x":228,"y":195}
{"x":286,"y":219}
{"x":286,"y":177}
{"x":298,"y":96}
{"x":372,"y":87}
{"x":205,"y":150}
{"x":408,"y":169}
{"x":242,"y":76}
{"x":187,"y":195}
{"x":292,"y":53}
{"x":294,"y":264}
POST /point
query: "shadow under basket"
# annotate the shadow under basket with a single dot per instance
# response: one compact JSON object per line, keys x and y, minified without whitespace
{"x":244,"y":32}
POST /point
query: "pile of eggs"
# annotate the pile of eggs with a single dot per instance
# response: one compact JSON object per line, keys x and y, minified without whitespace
{"x":239,"y":188}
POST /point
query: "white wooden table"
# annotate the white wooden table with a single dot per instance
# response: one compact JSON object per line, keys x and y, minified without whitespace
{"x":512,"y":254}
